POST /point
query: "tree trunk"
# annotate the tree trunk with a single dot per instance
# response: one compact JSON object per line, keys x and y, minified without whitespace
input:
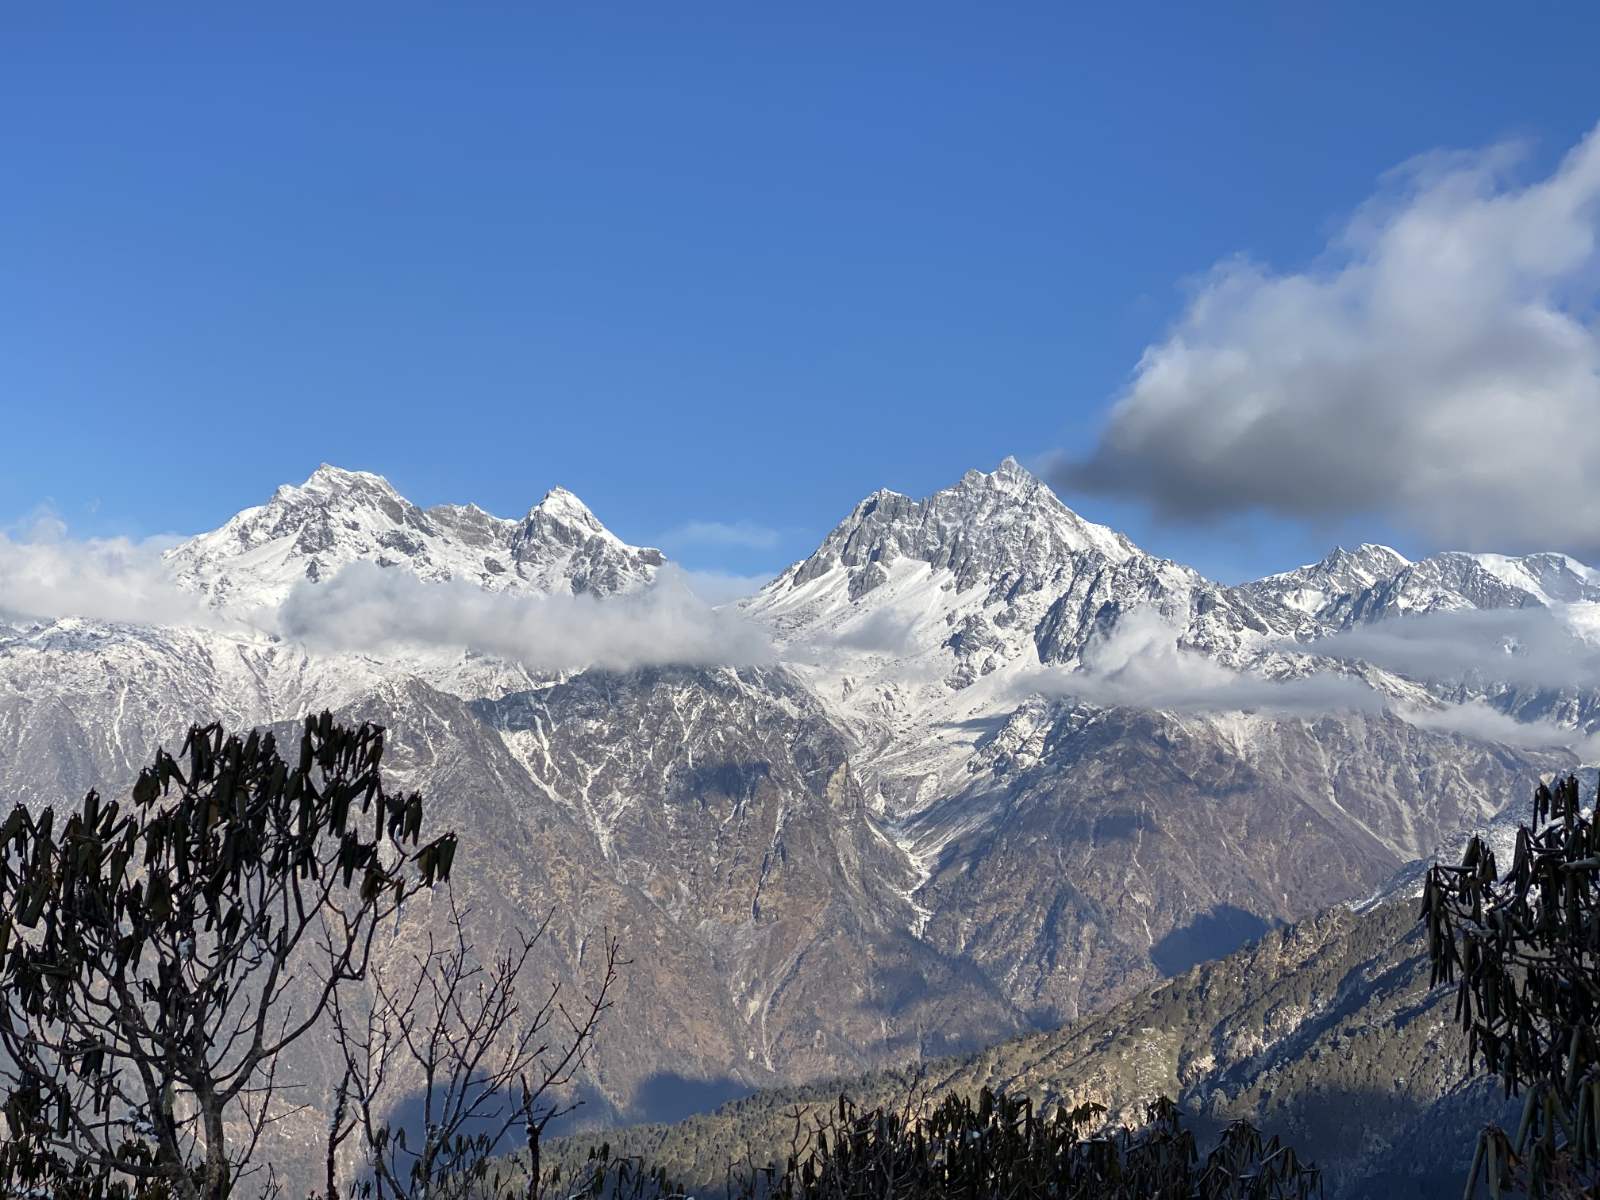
{"x":216,"y":1180}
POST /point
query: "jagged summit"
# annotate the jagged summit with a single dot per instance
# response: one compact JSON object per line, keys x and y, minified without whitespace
{"x":563,"y":516}
{"x":1373,"y":557}
{"x":1009,"y":474}
{"x":908,"y":605}
{"x":1374,"y":582}
{"x":562,"y":546}
{"x":560,"y":504}
{"x":1005,"y":528}
{"x":309,"y":531}
{"x":1311,"y":588}
{"x":330,"y":479}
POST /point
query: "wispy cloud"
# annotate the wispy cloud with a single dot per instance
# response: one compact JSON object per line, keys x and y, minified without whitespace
{"x":368,"y":609}
{"x":1439,"y":365}
{"x":1528,"y":647}
{"x":742,"y":534}
{"x":1141,"y":664}
{"x":883,"y":632}
{"x":1475,"y":719}
{"x":45,"y":574}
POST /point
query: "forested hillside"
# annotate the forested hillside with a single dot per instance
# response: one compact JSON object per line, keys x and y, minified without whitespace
{"x":1324,"y":1032}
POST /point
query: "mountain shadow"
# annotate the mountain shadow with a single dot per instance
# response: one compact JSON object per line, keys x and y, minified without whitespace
{"x":590,"y":1110}
{"x":667,"y":1097}
{"x":1214,"y":934}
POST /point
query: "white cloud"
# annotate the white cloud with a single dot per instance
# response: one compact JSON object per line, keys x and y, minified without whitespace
{"x":1528,"y":647}
{"x":1140,"y":664}
{"x":1477,"y":720}
{"x":1440,"y":365}
{"x":367,"y":608}
{"x":743,"y":534}
{"x":45,"y":575}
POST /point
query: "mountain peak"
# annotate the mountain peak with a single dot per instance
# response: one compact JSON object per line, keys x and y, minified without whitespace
{"x":337,"y":483}
{"x":1004,"y":527}
{"x":1359,"y":566}
{"x":328,"y":474}
{"x":1010,"y":469}
{"x":560,"y":537}
{"x":309,"y":531}
{"x":1371,"y":556}
{"x":1010,"y":476}
{"x":562,"y":506}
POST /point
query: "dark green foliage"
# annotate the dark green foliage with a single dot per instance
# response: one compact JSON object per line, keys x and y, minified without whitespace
{"x":993,"y":1148}
{"x":999,"y":1147}
{"x":1523,"y":949}
{"x":150,"y":952}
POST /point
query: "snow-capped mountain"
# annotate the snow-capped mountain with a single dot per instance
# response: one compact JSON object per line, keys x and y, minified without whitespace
{"x":920,"y":827}
{"x":929,"y":626}
{"x":922,"y":622}
{"x":336,"y":517}
{"x":1374,"y":583}
{"x":1317,"y":587}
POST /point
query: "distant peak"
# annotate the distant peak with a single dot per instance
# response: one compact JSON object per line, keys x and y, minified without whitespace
{"x":1010,"y":468}
{"x":1001,"y":524}
{"x":328,"y":478}
{"x":1359,"y":565}
{"x":1367,"y":552}
{"x":561,"y":505}
{"x":1009,"y":476}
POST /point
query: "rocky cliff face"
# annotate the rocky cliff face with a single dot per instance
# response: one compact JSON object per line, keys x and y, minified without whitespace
{"x":1125,"y":845}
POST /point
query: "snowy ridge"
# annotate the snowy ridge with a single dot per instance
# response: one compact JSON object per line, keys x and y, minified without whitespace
{"x":337,"y":517}
{"x":1373,"y":583}
{"x":112,"y":691}
{"x":922,"y":628}
{"x":923,"y":624}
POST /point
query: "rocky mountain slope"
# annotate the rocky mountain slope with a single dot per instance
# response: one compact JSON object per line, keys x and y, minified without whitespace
{"x":990,"y":648}
{"x":1325,"y":1032}
{"x":975,"y":790}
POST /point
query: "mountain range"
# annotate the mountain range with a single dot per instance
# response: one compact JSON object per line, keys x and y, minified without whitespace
{"x":980,"y":766}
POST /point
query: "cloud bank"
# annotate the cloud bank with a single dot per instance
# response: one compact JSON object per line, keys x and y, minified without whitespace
{"x":1527,"y":647}
{"x":1439,"y":365}
{"x":1479,"y":722}
{"x":1141,"y":664}
{"x":366,"y":608}
{"x":44,"y":575}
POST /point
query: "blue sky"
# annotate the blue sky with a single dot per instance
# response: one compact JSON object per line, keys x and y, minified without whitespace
{"x":702,"y":264}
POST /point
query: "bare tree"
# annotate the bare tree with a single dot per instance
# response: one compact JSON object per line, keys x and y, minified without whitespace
{"x":153,"y":955}
{"x":458,"y":1039}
